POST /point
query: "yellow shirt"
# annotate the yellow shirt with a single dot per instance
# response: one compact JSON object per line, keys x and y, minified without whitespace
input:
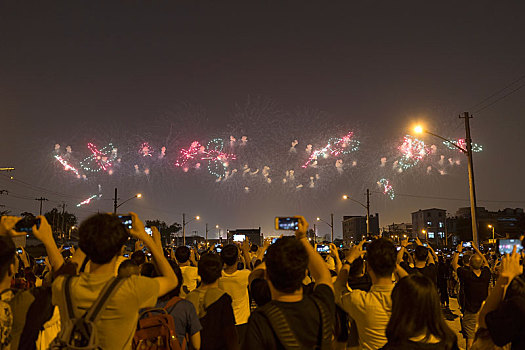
{"x":118,"y":321}
{"x":371,"y":311}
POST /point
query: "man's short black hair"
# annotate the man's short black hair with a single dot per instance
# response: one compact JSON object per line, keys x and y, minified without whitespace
{"x":101,"y":237}
{"x":182,"y":254}
{"x":128,"y":268}
{"x":230,"y":254}
{"x":286,"y":263}
{"x":7,"y":255}
{"x":421,"y":253}
{"x":381,"y":256}
{"x":210,"y":268}
{"x":138,"y":257}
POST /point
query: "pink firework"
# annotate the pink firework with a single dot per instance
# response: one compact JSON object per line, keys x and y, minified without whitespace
{"x":66,"y":165}
{"x":413,"y":148}
{"x":146,"y":150}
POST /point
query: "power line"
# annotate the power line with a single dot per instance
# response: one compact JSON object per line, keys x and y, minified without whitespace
{"x":499,"y":99}
{"x":497,"y":92}
{"x":450,"y":198}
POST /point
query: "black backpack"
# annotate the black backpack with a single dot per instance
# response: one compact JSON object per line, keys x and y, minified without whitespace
{"x":284,"y":333}
{"x":81,"y":333}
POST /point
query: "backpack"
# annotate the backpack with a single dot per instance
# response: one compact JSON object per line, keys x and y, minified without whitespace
{"x":81,"y":333}
{"x":284,"y":333}
{"x":156,"y":329}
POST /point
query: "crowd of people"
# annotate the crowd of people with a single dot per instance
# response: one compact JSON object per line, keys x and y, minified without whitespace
{"x":281,"y":295}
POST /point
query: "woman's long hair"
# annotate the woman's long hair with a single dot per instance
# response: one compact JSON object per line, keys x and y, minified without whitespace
{"x":416,"y":310}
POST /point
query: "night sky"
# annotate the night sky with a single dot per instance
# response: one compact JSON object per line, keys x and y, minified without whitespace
{"x":134,"y":72}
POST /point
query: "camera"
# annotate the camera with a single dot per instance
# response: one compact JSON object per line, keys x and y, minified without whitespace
{"x":126,"y":220}
{"x":26,"y":224}
{"x":287,"y":223}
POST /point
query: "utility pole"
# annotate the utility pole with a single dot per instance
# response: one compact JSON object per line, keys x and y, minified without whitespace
{"x":206,"y":238}
{"x":472,"y":188}
{"x":367,"y":212}
{"x":315,"y":233}
{"x":332,"y":225}
{"x":62,"y":229}
{"x":183,"y":229}
{"x":41,"y":199}
{"x":115,"y":202}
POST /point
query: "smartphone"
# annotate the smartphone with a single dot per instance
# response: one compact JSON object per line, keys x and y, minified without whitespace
{"x":239,"y":238}
{"x":398,"y":248}
{"x":26,"y":224}
{"x":322,"y":248}
{"x":126,"y":220}
{"x":425,"y":244}
{"x":467,"y":245}
{"x":19,"y":250}
{"x":365,"y":245}
{"x":66,"y":247}
{"x":126,"y":255}
{"x":274,"y":240}
{"x":505,"y":246}
{"x":148,"y":231}
{"x":40,"y":261}
{"x":286,"y":223}
{"x":218,"y":249}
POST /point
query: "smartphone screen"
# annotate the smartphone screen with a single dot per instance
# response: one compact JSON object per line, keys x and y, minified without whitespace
{"x":148,"y":231}
{"x":321,"y":248}
{"x":239,"y":238}
{"x":126,"y":220}
{"x":19,"y":250}
{"x":505,"y":246}
{"x":286,"y":223}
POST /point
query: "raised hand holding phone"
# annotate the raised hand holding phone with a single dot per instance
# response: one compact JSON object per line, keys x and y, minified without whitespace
{"x":302,"y":227}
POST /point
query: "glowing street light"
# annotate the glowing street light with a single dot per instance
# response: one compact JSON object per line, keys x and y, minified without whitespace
{"x":184,"y":223}
{"x":468,"y":152}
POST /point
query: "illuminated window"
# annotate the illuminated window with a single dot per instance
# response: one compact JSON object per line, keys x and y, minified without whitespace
{"x":440,"y":224}
{"x":431,"y":235}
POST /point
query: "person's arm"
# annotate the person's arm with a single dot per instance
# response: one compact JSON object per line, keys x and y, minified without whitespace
{"x":400,"y":272}
{"x":45,"y":235}
{"x":262,"y":250}
{"x":433,"y":253}
{"x":455,"y":258}
{"x":485,"y":262}
{"x":193,"y":260}
{"x":245,"y":248}
{"x":510,"y":268}
{"x":335,"y":255}
{"x":168,"y":280}
{"x":316,"y":264}
{"x":342,"y":278}
{"x":402,"y":250}
{"x":195,"y":340}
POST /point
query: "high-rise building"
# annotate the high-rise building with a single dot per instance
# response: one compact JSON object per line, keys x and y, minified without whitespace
{"x":430,"y":224}
{"x":354,"y":227}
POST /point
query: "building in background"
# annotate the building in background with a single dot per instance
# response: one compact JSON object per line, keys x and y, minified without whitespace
{"x":430,"y":224}
{"x":354,"y":227}
{"x":254,"y":235}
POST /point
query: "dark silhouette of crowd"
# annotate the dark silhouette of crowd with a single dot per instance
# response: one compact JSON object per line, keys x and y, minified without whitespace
{"x":122,"y":288}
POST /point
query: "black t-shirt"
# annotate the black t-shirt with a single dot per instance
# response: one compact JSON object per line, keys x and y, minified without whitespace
{"x":507,"y":323}
{"x":475,"y":289}
{"x":302,"y":316}
{"x":430,"y":271}
{"x":411,"y":345}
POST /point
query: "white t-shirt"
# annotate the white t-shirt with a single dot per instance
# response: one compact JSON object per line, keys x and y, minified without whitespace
{"x":190,"y":277}
{"x":236,"y":285}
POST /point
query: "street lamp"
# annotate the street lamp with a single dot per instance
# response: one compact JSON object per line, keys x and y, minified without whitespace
{"x":425,"y":233}
{"x":468,"y":152}
{"x":492,"y":227}
{"x":115,"y":200}
{"x":184,"y":223}
{"x":331,"y":224}
{"x":367,"y":207}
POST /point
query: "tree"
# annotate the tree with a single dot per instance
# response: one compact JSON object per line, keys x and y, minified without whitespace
{"x":4,"y":212}
{"x":60,"y":224}
{"x":166,"y":231}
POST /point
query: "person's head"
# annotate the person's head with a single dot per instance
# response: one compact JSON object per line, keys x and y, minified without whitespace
{"x":466,"y":259}
{"x":148,"y":270}
{"x":210,"y":268}
{"x":175,"y":291}
{"x":381,"y":257}
{"x":286,"y":263}
{"x":128,"y":268}
{"x":416,"y":311}
{"x":230,"y":254}
{"x":101,"y":237}
{"x":7,"y":258}
{"x":254,"y":248}
{"x":357,"y":269}
{"x":182,"y":254}
{"x":421,"y":253}
{"x":476,"y":261}
{"x":138,"y":257}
